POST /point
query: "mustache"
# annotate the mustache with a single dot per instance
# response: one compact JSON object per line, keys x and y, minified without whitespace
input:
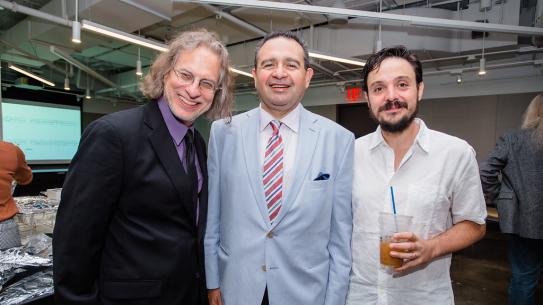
{"x":392,"y":103}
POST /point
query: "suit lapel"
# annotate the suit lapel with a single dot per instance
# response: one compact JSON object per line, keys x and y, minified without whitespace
{"x":202,"y":197}
{"x":250,"y":138}
{"x":305,"y":149}
{"x":164,"y":147}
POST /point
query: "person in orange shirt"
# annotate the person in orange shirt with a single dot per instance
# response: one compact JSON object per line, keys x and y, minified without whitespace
{"x":13,"y":167}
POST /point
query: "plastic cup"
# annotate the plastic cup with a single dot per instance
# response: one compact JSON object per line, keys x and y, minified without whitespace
{"x":388,"y":225}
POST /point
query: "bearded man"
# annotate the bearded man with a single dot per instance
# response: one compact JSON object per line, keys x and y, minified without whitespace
{"x":435,"y":179}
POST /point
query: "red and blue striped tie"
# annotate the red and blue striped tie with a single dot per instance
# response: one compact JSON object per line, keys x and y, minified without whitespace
{"x":273,"y":172}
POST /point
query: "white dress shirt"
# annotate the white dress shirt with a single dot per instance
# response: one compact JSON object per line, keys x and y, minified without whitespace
{"x":438,"y":184}
{"x":290,"y":125}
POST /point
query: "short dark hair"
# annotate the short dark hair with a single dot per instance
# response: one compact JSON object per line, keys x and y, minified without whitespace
{"x":376,"y":59}
{"x":287,"y":35}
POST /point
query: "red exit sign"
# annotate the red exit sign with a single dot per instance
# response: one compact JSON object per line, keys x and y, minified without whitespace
{"x":353,"y":94}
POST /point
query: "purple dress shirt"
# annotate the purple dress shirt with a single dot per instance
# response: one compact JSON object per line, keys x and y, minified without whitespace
{"x":177,"y":131}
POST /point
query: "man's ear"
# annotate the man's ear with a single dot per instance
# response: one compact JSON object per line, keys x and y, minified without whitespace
{"x":308,"y":75}
{"x":253,"y":72}
{"x":368,"y":103}
{"x":420,"y":90}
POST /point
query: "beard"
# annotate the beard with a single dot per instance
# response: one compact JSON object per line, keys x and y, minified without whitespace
{"x":402,"y":124}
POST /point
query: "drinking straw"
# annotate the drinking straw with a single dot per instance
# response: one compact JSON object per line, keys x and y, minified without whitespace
{"x":394,"y":208}
{"x":393,"y":203}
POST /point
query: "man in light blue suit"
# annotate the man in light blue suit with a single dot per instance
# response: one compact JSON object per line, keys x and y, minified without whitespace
{"x":280,"y":177}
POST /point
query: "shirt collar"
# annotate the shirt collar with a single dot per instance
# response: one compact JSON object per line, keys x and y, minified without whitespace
{"x":291,"y":120}
{"x":177,"y":129}
{"x":421,"y":139}
{"x":376,"y":138}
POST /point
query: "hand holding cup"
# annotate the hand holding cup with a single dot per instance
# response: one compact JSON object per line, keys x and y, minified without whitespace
{"x":413,"y":252}
{"x":389,"y":225}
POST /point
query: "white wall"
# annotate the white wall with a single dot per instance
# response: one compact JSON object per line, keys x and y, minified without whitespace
{"x":478,"y":120}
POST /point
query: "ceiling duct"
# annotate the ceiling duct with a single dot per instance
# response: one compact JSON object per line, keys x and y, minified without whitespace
{"x":392,"y":18}
{"x":335,"y":19}
{"x":88,"y":70}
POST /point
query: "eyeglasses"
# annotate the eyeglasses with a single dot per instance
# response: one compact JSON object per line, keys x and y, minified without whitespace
{"x":186,"y":78}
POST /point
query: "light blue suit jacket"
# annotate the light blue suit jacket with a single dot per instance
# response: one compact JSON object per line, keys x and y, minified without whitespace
{"x":304,"y":258}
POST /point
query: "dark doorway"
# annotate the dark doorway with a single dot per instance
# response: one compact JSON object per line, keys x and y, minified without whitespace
{"x":356,"y":118}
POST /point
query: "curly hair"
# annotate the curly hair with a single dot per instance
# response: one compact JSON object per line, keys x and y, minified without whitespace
{"x":375,"y":60}
{"x":153,"y":85}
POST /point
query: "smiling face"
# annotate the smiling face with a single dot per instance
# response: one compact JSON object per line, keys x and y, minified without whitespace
{"x":280,"y":76}
{"x":393,"y":94}
{"x":188,"y":102}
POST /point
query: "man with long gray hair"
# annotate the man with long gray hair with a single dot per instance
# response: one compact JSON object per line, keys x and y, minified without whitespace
{"x":518,"y":158}
{"x":131,"y":220}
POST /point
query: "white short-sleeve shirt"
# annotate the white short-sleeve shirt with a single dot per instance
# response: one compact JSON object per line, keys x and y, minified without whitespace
{"x":438,"y":184}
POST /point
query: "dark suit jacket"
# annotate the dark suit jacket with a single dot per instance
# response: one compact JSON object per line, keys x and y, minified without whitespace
{"x":125,"y":231}
{"x":519,"y":194}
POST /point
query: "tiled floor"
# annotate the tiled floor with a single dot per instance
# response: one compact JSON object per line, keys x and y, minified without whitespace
{"x":480,"y":273}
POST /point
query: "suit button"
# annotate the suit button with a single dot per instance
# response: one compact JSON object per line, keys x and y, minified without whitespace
{"x":264,"y":268}
{"x":269,"y":234}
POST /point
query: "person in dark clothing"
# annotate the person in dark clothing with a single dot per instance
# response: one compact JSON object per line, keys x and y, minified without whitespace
{"x":518,"y":159}
{"x":131,"y":220}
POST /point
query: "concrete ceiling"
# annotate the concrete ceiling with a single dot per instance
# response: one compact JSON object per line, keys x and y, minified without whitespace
{"x":26,"y":40}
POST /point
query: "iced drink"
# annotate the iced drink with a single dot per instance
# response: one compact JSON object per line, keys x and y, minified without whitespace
{"x":389,"y":224}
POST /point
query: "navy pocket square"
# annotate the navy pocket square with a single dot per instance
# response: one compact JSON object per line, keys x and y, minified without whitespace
{"x":322,"y":176}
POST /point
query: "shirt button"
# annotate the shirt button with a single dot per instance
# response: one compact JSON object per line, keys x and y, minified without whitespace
{"x":264,"y":268}
{"x":269,"y":234}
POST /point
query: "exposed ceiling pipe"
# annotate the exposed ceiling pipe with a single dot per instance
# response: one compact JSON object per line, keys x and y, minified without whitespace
{"x":61,"y":21}
{"x":523,"y":50}
{"x":107,"y":90}
{"x":334,"y":19}
{"x":34,"y":13}
{"x":235,"y":19}
{"x":33,"y":57}
{"x":88,"y":70}
{"x":424,"y":3}
{"x":495,"y":66}
{"x":519,"y":50}
{"x":448,"y":71}
{"x":146,"y":9}
{"x":325,"y":70}
{"x":347,"y":70}
{"x":412,"y":20}
{"x":64,"y":11}
{"x":444,"y":2}
{"x":256,"y":30}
